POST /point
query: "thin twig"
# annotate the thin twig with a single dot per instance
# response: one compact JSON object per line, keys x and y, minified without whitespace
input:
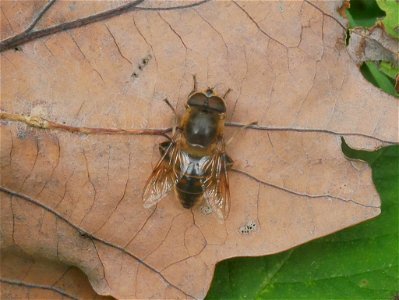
{"x":40,"y":15}
{"x":174,"y":7}
{"x":304,"y":130}
{"x":25,"y":36}
{"x":39,"y":122}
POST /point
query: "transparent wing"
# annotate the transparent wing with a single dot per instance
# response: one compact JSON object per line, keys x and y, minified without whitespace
{"x":162,"y":178}
{"x":216,"y":186}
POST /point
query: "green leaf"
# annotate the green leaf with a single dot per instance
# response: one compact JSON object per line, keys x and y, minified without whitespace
{"x":391,"y":7}
{"x":389,"y":69}
{"x":363,"y":13}
{"x":358,"y":263}
{"x":372,"y":73}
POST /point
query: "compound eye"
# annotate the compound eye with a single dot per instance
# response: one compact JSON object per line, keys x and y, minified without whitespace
{"x":198,"y":99}
{"x":217,"y":103}
{"x":214,"y":103}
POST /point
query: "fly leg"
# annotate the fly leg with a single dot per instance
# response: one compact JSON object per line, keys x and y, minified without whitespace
{"x":176,"y":116}
{"x":240,"y":130}
{"x":229,"y":161}
{"x":163,"y":147}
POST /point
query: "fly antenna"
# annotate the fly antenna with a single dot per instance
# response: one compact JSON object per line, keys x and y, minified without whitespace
{"x":195,"y":85}
{"x":227,"y":92}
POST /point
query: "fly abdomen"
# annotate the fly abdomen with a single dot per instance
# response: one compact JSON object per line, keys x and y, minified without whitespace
{"x":189,"y":190}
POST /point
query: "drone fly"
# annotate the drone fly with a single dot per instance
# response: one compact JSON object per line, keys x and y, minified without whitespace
{"x":194,"y":162}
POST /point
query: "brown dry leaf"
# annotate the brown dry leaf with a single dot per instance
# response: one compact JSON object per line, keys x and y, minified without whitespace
{"x":76,"y":199}
{"x":372,"y":44}
{"x":26,"y":277}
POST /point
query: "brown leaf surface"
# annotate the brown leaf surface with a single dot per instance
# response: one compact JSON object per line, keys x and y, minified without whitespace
{"x":26,"y":277}
{"x":75,"y":199}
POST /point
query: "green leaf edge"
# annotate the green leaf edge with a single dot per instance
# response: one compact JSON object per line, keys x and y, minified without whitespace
{"x":390,"y":21}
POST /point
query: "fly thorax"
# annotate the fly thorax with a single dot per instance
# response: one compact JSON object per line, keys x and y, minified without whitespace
{"x":201,"y":128}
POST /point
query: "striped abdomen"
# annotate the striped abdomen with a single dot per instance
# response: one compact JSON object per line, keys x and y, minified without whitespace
{"x":189,"y":190}
{"x":189,"y":187}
